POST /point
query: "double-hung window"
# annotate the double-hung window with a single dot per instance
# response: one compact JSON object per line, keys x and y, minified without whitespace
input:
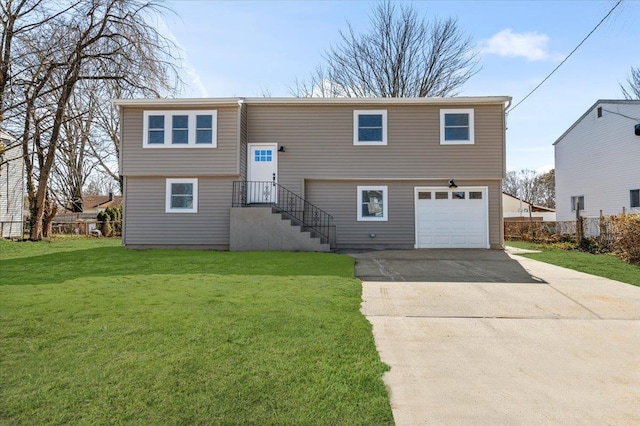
{"x":577,"y":200}
{"x":372,"y":203}
{"x":182,"y":196}
{"x":634,"y":196}
{"x":180,"y":129}
{"x":456,"y":126}
{"x":370,"y":127}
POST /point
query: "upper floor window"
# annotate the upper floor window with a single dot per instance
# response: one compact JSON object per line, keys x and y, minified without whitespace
{"x":180,"y":129}
{"x":372,"y":203}
{"x":370,"y":127}
{"x":456,"y":126}
{"x":577,"y":200}
{"x":635,"y":197}
{"x":182,"y":196}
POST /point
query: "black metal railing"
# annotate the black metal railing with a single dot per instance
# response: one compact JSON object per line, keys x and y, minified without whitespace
{"x":281,"y":200}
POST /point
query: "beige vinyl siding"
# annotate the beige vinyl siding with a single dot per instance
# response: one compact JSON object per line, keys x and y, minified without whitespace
{"x":319,"y":144}
{"x":339,"y":198}
{"x":243,"y":141}
{"x":148,"y":224}
{"x":139,"y":161}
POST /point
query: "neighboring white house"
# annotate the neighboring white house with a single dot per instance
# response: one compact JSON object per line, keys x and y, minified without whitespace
{"x":597,"y":162}
{"x":11,"y":187}
{"x":514,"y":207}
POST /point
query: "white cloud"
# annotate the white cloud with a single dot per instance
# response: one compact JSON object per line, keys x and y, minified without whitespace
{"x":532,"y":46}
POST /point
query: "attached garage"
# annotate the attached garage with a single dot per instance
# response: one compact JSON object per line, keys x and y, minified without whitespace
{"x":452,"y":217}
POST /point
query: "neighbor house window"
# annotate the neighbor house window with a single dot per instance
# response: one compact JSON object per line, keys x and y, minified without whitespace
{"x":370,"y":127}
{"x":182,"y":196}
{"x":456,"y":126}
{"x":579,"y":200}
{"x":372,"y":203}
{"x":635,"y":197}
{"x":179,"y":129}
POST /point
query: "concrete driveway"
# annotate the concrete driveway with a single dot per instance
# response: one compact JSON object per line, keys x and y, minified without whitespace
{"x":440,"y":266}
{"x":562,"y":351}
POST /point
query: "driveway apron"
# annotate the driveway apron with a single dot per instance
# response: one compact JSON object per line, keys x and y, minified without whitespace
{"x":556,"y":347}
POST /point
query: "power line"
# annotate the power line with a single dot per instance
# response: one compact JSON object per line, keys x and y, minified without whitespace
{"x":621,"y":115}
{"x":568,"y":56}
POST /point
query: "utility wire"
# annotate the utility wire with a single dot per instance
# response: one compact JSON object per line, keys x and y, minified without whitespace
{"x":568,"y":56}
{"x":621,"y":115}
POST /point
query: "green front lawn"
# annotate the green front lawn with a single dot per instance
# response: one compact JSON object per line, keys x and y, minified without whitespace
{"x":92,"y":333}
{"x":603,"y":265}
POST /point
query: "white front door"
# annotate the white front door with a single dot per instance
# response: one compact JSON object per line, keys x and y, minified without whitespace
{"x":262,"y":173}
{"x":452,"y":218}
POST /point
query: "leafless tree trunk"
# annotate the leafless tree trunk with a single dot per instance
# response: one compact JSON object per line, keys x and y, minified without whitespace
{"x":531,"y":187}
{"x":632,"y":89}
{"x":49,"y":48}
{"x":401,"y":56}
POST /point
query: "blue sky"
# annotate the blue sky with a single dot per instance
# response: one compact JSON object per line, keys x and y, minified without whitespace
{"x":248,"y":48}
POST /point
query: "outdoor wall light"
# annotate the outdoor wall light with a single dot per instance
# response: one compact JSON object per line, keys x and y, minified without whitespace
{"x":372,"y":235}
{"x":637,"y":129}
{"x":281,"y":149}
{"x":452,"y":184}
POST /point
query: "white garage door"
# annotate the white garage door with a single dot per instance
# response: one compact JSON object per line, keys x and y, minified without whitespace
{"x":452,"y":218}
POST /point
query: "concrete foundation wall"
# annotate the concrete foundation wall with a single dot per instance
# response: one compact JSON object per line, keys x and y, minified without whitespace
{"x":257,"y":228}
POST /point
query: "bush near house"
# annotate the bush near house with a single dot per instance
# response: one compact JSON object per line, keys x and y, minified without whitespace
{"x":627,"y":238}
{"x":110,"y":221}
{"x":607,"y":234}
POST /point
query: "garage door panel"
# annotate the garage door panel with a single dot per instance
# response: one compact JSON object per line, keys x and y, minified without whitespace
{"x":452,"y":222}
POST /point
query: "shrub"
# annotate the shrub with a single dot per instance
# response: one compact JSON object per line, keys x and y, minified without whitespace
{"x":592,"y":245}
{"x":627,"y":238}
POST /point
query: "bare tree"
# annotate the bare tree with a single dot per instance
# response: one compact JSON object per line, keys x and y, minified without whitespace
{"x":531,"y":187}
{"x":49,"y":49}
{"x":632,"y":89}
{"x":402,"y":55}
{"x":545,"y":185}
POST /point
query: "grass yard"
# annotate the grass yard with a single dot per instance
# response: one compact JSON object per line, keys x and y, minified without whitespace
{"x":603,"y":265}
{"x":92,"y":333}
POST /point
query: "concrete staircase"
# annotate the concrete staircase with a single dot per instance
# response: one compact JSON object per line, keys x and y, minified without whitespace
{"x":263,"y":228}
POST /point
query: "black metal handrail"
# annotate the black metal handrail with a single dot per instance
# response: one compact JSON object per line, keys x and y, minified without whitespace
{"x":282,"y":200}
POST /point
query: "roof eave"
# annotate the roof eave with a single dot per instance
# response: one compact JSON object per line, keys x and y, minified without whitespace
{"x":191,"y":102}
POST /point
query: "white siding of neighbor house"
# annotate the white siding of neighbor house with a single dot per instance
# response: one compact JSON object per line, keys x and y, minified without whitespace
{"x":599,"y":158}
{"x":11,"y":192}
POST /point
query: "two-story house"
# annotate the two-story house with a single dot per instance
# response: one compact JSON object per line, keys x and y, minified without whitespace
{"x":349,"y":173}
{"x":11,"y":186}
{"x":597,"y":162}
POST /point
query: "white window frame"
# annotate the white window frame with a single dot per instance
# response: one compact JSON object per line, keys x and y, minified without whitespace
{"x":168,"y":208}
{"x":385,"y":203}
{"x":357,"y":113}
{"x":470,"y":112}
{"x":168,"y":129}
